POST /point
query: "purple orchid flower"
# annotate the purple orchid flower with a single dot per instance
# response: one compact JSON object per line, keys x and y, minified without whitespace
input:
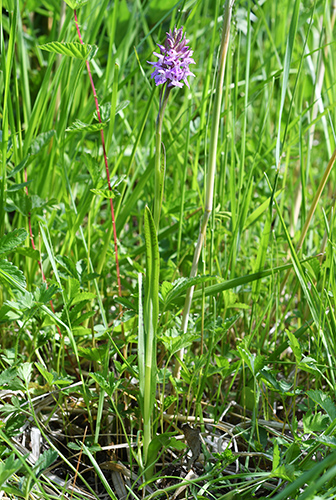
{"x":173,"y":64}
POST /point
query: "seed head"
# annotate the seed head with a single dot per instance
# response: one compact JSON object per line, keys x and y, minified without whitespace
{"x":173,"y":64}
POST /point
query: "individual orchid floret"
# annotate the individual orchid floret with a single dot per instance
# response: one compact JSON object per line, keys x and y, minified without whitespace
{"x":173,"y":64}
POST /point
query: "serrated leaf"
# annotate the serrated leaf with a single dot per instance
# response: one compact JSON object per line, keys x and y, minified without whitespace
{"x":105,"y":110}
{"x":11,"y":275}
{"x":76,"y":4}
{"x":71,"y":49}
{"x":20,"y":202}
{"x":96,"y":354}
{"x":41,"y":141}
{"x":14,"y":424}
{"x":24,"y":372}
{"x":82,"y":297}
{"x":182,"y":284}
{"x":165,"y":288}
{"x":28,"y":252}
{"x":79,"y":125}
{"x":8,"y":467}
{"x":45,"y":373}
{"x":174,"y":344}
{"x":44,"y":461}
{"x":314,"y":422}
{"x":105,"y":193}
{"x":254,"y":362}
{"x":12,"y":240}
{"x":67,"y":264}
{"x":295,"y":346}
{"x":7,"y":376}
{"x":324,"y":401}
{"x":44,"y":294}
{"x":276,"y":457}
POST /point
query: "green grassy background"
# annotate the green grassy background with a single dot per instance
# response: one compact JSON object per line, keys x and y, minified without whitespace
{"x":257,"y":335}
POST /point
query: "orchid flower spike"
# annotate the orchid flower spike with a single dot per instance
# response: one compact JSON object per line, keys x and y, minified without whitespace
{"x":173,"y":64}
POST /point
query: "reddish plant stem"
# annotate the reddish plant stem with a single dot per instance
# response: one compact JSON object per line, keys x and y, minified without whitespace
{"x":105,"y":161}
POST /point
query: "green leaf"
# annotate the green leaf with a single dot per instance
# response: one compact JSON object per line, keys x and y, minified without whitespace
{"x":105,"y":110}
{"x":324,"y":401}
{"x":49,"y":377}
{"x":11,"y":275}
{"x":109,"y":385}
{"x":12,"y":240}
{"x":25,"y":371}
{"x":16,"y":187}
{"x":76,"y":4}
{"x":254,"y":362}
{"x":276,"y":457}
{"x":295,"y":346}
{"x":151,"y":306}
{"x":181,"y":285}
{"x":68,"y":265}
{"x":44,"y":294}
{"x":6,"y":376}
{"x":14,"y":424}
{"x":44,"y":461}
{"x":78,"y":125}
{"x":314,"y":422}
{"x":41,"y":141}
{"x":177,"y":341}
{"x":82,"y":297}
{"x":71,"y":49}
{"x":8,"y":467}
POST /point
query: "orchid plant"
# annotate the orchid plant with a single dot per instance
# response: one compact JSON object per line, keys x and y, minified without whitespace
{"x":171,"y":70}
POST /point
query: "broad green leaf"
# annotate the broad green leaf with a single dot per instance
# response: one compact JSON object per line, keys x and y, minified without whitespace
{"x":295,"y":346}
{"x":76,"y":4}
{"x":276,"y":457}
{"x":8,"y":467}
{"x":82,"y":297}
{"x":96,"y":354}
{"x":254,"y":362}
{"x":6,"y":376}
{"x":68,"y":265}
{"x":44,"y":461}
{"x":25,"y":371}
{"x":314,"y":422}
{"x":78,"y":125}
{"x":41,"y":141}
{"x":105,"y":110}
{"x":14,"y":424}
{"x":20,"y":202}
{"x":181,"y":285}
{"x":12,"y":240}
{"x":324,"y":400}
{"x":44,"y":294}
{"x":175,"y":343}
{"x":11,"y":275}
{"x":45,"y":373}
{"x":71,"y":49}
{"x":109,"y":385}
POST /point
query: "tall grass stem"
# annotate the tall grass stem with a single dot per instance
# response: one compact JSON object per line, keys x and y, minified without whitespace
{"x":210,"y":174}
